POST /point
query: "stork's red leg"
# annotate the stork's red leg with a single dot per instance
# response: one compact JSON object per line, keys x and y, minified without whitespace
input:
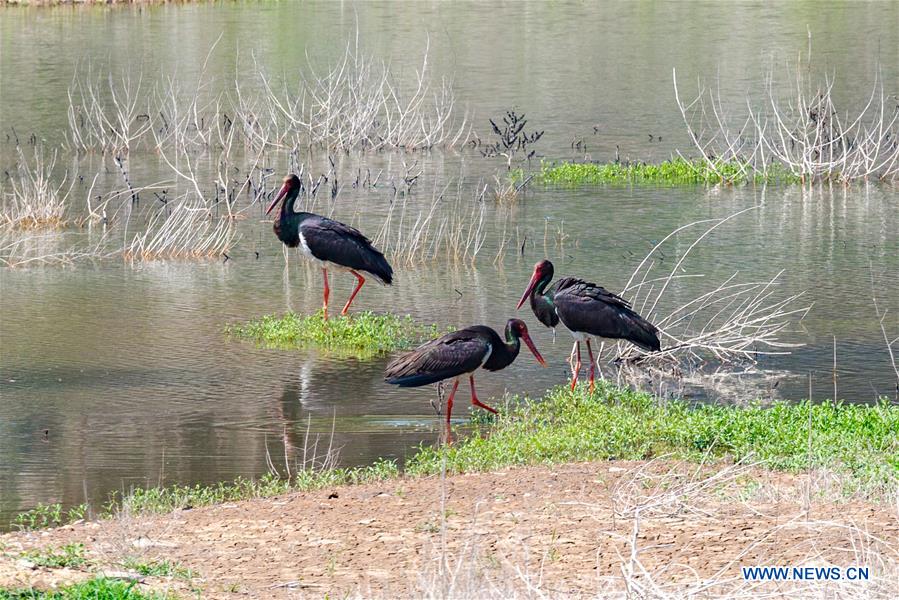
{"x":449,"y":402}
{"x":592,"y":366}
{"x":576,"y":369}
{"x":474,"y":397}
{"x":449,"y":411}
{"x":359,"y":284}
{"x":327,"y":292}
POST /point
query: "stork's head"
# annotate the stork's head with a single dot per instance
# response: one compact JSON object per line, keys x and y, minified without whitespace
{"x":289,"y":189}
{"x":543,"y":272}
{"x":515,"y":328}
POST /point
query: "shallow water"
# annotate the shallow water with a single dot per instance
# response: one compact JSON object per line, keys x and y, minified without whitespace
{"x":114,"y":375}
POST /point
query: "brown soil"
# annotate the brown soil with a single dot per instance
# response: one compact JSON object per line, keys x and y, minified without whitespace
{"x":566,"y":530}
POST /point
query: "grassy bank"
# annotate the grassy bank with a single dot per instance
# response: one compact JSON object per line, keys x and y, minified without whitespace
{"x":670,"y":172}
{"x":98,"y":588}
{"x":858,"y":443}
{"x":167,"y":499}
{"x":362,"y":335}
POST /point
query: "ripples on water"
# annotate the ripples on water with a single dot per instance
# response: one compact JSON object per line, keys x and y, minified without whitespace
{"x":127,"y":371}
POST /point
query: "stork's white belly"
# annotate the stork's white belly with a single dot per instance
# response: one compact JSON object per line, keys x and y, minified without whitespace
{"x":486,"y":356}
{"x":578,"y":335}
{"x":307,"y":254}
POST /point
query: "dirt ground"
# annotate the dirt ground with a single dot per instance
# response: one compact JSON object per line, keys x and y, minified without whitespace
{"x":577,"y":530}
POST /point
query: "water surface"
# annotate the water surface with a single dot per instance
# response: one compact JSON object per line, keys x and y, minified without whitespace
{"x":115,"y":375}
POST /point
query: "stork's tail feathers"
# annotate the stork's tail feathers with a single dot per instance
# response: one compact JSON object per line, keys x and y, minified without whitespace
{"x":380,"y":268}
{"x":644,"y":334}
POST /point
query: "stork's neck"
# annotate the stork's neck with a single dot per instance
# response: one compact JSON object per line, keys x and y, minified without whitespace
{"x":286,"y":208}
{"x":542,"y":302}
{"x":540,"y":288}
{"x":512,"y":345}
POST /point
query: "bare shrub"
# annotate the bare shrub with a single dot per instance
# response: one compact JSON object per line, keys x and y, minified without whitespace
{"x":37,"y":199}
{"x":796,"y":128}
{"x":446,"y":228}
{"x":107,"y":113}
{"x":29,"y":249}
{"x":189,"y":230}
{"x":357,"y":103}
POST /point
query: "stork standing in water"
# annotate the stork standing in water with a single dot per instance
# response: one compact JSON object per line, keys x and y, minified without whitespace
{"x":458,"y":354}
{"x":586,"y":309}
{"x":327,"y":243}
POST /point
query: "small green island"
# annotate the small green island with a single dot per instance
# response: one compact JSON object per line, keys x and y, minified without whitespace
{"x":677,"y":171}
{"x":362,"y":335}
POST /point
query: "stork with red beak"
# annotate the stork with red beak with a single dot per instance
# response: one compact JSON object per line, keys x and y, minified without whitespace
{"x":327,"y":243}
{"x":586,"y":309}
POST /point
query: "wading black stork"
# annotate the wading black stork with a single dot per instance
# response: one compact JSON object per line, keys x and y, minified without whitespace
{"x":327,"y":243}
{"x":460,"y":353}
{"x":586,"y":309}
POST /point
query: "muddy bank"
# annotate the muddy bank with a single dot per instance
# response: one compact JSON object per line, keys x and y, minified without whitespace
{"x":571,"y":530}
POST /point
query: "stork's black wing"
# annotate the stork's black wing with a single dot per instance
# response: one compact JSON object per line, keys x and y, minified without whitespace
{"x":341,"y":244}
{"x":448,"y":356}
{"x":589,"y":308}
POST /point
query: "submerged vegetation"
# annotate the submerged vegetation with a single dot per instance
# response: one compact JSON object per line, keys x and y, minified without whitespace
{"x":677,"y":171}
{"x":363,"y":335}
{"x":858,"y":442}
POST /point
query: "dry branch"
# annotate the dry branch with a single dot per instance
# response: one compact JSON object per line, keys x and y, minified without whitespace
{"x":732,"y":321}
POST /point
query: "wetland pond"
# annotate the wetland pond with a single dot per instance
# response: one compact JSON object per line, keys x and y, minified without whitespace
{"x":117,"y":373}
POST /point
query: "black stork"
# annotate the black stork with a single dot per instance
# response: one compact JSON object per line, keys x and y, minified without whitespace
{"x":586,"y":309}
{"x":327,"y":243}
{"x":460,"y":353}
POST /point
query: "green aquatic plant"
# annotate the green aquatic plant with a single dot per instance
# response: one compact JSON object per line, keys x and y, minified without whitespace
{"x":48,"y":515}
{"x":859,"y":441}
{"x":677,"y":171}
{"x":362,"y":335}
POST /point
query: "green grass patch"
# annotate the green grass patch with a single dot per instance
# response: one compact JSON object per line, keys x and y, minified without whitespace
{"x":677,"y":171}
{"x":157,"y":568}
{"x":859,"y":441}
{"x":362,"y":335}
{"x":167,"y":499}
{"x":70,"y":556}
{"x":98,"y":588}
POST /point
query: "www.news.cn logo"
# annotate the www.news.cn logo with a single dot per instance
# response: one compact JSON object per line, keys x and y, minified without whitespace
{"x":805,"y":573}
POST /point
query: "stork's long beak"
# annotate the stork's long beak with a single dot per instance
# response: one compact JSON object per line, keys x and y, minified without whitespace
{"x":532,"y":348}
{"x":527,"y":292}
{"x":277,"y":199}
